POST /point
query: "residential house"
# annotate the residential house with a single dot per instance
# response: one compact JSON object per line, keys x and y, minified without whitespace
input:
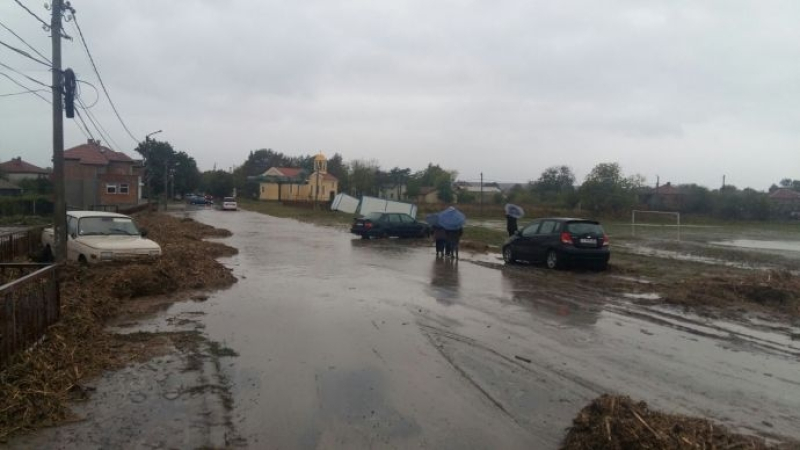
{"x":295,"y":184}
{"x":96,"y":177}
{"x":785,"y":202}
{"x":9,"y":188}
{"x":17,"y":169}
{"x":397,"y":192}
{"x":429,"y":195}
{"x":663,"y":197}
{"x":489,"y":190}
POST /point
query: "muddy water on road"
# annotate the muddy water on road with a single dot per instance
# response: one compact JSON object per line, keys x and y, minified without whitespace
{"x":347,"y":343}
{"x":352,"y":343}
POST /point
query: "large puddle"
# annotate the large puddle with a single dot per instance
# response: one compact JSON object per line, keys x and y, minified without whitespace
{"x":791,"y":246}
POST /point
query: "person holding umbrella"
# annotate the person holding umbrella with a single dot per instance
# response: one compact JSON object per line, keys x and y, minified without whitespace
{"x":513,"y":212}
{"x":452,"y":220}
{"x":439,"y":236}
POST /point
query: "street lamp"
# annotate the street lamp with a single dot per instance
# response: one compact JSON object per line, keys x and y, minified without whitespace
{"x":148,"y":176}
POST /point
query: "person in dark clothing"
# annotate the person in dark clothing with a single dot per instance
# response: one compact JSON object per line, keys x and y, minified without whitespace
{"x":440,"y":238}
{"x":452,"y":238}
{"x":511,"y":225}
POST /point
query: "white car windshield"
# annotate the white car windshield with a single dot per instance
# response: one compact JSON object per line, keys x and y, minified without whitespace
{"x":107,"y":226}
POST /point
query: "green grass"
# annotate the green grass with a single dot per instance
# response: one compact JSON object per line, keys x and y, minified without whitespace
{"x":317,"y":216}
{"x":24,"y":221}
{"x":486,"y":235}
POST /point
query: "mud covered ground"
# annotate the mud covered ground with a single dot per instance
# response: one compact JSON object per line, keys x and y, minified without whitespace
{"x":35,"y":390}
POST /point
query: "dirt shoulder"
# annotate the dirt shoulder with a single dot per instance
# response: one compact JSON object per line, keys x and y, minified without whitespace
{"x":36,"y":388}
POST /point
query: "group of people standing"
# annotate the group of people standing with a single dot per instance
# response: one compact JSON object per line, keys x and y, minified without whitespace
{"x":446,"y":241}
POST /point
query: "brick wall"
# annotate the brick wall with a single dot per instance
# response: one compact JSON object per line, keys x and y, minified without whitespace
{"x":118,"y":198}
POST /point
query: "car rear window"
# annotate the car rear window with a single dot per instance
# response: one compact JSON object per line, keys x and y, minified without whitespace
{"x":229,"y":199}
{"x":373,"y":216}
{"x":584,"y":227}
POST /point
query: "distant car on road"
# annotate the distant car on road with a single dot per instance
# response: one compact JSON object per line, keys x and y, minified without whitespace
{"x":198,"y":200}
{"x":95,"y":236}
{"x":229,"y":204}
{"x":379,"y":224}
{"x":558,"y":242}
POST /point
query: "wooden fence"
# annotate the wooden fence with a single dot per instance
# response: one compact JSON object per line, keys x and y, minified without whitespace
{"x":20,"y":244}
{"x":29,"y":304}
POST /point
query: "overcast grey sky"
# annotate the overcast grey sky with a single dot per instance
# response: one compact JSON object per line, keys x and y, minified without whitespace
{"x":688,"y":90}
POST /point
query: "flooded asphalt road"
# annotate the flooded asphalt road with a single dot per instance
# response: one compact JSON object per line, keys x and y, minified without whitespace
{"x":346,"y":343}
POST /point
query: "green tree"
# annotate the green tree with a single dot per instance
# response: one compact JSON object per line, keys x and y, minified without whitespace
{"x":555,"y":185}
{"x":338,"y":168}
{"x":363,"y":177}
{"x":696,"y":199}
{"x":162,"y":161}
{"x":607,"y":190}
{"x":41,"y":186}
{"x":218,"y":183}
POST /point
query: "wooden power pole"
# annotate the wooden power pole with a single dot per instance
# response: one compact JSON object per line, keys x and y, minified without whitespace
{"x":60,"y":204}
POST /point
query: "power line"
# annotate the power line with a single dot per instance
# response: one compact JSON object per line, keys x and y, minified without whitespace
{"x":32,"y":91}
{"x":25,"y":42}
{"x":97,"y":72}
{"x":26,"y":54}
{"x":46,"y":25}
{"x":87,"y":132}
{"x":96,"y":92}
{"x":26,"y":76}
{"x":29,"y":91}
{"x":97,"y":125}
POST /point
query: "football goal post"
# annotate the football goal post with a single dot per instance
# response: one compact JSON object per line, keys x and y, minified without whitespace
{"x":660,"y":219}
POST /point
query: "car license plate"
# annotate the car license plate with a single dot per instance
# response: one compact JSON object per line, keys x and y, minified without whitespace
{"x":589,"y":241}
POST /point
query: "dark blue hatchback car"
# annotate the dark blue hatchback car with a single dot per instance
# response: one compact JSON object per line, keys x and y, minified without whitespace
{"x":559,"y":242}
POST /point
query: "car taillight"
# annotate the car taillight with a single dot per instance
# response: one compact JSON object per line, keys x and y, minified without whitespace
{"x":566,"y":238}
{"x":605,"y":240}
{"x":367,"y":225}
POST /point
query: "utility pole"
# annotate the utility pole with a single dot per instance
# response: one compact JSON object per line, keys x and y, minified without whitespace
{"x":166,"y":180}
{"x":60,"y":204}
{"x":481,"y":194}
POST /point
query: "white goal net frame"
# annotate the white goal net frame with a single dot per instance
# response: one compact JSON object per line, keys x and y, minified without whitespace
{"x":641,"y":212}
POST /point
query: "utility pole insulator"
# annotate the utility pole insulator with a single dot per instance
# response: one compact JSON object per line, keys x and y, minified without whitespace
{"x":69,"y":93}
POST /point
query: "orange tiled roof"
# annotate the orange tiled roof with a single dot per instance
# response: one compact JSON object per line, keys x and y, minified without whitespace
{"x":95,"y":154}
{"x":17,"y":165}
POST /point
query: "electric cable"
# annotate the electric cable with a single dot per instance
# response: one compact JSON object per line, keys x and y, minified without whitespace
{"x":99,"y":78}
{"x":32,"y":91}
{"x":26,"y":76}
{"x":46,"y":25}
{"x":29,"y":91}
{"x":88,"y":132}
{"x":26,"y":43}
{"x":26,"y":54}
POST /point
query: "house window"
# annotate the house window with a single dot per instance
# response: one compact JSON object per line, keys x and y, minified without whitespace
{"x":111,"y":188}
{"x":123,"y":188}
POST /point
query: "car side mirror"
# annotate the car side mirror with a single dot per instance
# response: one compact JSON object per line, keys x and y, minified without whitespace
{"x":143,"y":232}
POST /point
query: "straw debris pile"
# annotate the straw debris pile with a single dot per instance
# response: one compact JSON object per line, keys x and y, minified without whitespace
{"x":775,"y":291}
{"x":618,"y":423}
{"x":35,"y":388}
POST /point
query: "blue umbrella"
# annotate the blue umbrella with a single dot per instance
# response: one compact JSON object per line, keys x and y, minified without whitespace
{"x":452,"y":219}
{"x":432,"y":219}
{"x":514,"y":211}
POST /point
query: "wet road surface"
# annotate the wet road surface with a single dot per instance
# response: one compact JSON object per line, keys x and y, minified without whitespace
{"x":347,"y":343}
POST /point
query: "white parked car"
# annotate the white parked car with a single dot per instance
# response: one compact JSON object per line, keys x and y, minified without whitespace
{"x":95,"y":236}
{"x":229,"y":204}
